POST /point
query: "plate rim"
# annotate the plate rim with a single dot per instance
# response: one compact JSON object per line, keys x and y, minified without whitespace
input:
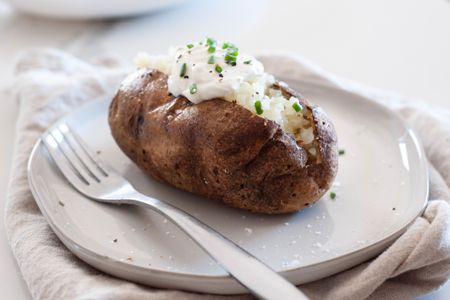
{"x":386,"y":239}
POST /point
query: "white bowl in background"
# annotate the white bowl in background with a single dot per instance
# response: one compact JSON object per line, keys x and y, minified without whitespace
{"x":90,"y":9}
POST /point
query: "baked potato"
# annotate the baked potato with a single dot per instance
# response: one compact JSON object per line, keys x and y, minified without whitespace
{"x":221,"y":150}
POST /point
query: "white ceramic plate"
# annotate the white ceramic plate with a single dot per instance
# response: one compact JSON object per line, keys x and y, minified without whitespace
{"x":381,"y":187}
{"x":90,"y":9}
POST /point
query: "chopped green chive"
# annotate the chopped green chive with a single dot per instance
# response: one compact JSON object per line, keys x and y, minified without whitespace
{"x":211,"y":60}
{"x":230,"y":59}
{"x":258,"y":107}
{"x":247,"y":62}
{"x":227,"y":45}
{"x":218,"y":69}
{"x":233,"y":51}
{"x":183,"y":70}
{"x":332,"y":195}
{"x":296,"y":107}
{"x":211,"y":42}
{"x":190,"y":46}
{"x":231,"y":55}
{"x":193,"y":89}
{"x":341,"y":151}
{"x":211,"y":49}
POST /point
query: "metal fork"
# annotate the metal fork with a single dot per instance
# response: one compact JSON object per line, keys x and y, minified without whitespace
{"x":97,"y":180}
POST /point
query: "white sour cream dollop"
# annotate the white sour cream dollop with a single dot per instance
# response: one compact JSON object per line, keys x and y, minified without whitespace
{"x":202,"y":79}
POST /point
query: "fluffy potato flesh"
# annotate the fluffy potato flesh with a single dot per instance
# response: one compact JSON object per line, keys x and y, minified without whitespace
{"x":221,"y":150}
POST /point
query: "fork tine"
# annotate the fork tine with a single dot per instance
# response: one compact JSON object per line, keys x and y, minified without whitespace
{"x":88,"y":162}
{"x":83,"y":150}
{"x":61,"y":161}
{"x":71,"y":157}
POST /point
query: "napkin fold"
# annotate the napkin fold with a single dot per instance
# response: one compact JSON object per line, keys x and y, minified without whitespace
{"x":50,"y":83}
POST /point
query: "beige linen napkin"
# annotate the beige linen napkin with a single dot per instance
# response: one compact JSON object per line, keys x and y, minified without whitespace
{"x":50,"y":83}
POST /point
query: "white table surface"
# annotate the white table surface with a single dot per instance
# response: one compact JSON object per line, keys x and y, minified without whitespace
{"x":399,"y":45}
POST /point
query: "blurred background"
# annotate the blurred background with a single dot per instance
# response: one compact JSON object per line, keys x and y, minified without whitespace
{"x":402,"y":45}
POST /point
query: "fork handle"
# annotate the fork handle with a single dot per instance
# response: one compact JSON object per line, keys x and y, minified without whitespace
{"x":257,"y":277}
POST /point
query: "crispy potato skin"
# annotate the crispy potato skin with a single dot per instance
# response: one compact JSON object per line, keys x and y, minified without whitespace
{"x":219,"y":149}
